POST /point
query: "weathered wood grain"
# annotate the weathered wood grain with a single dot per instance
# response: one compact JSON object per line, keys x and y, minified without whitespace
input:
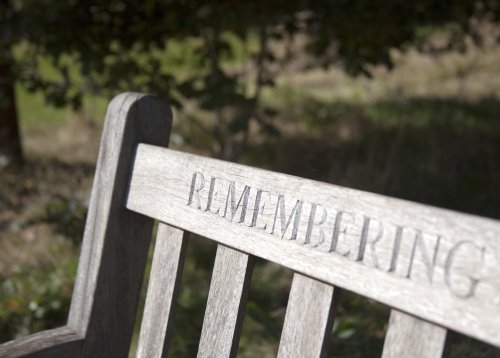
{"x":309,"y":318}
{"x":411,"y":337}
{"x":436,"y":264}
{"x":55,"y":343}
{"x":116,"y":240}
{"x":227,"y":297}
{"x":163,"y":289}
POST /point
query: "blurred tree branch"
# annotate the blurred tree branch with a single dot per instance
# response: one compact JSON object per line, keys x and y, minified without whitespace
{"x":123,"y":45}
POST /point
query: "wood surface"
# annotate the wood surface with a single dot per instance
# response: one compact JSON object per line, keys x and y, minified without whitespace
{"x":227,"y":297}
{"x":116,"y":240}
{"x":436,"y":264}
{"x":309,"y":319}
{"x":162,"y":293}
{"x":55,"y":343}
{"x":411,"y":337}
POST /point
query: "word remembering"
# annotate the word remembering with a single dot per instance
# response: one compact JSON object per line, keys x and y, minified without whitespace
{"x":398,"y":250}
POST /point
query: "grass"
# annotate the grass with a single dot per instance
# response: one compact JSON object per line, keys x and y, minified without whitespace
{"x":33,"y":111}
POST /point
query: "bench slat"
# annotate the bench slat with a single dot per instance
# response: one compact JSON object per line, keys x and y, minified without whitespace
{"x":411,"y":337}
{"x":309,"y":318}
{"x":227,"y":297}
{"x":163,"y":289}
{"x":436,"y":264}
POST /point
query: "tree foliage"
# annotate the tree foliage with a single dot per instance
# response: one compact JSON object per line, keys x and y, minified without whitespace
{"x":124,"y":45}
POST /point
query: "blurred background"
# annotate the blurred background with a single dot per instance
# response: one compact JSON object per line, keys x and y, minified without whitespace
{"x":394,"y":97}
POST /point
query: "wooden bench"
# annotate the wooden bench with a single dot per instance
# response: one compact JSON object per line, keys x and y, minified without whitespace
{"x":436,"y":268}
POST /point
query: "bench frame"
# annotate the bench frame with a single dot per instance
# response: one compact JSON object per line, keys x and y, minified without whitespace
{"x":131,"y":172}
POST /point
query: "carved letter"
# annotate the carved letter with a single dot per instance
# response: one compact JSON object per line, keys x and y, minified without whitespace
{"x":231,"y":203}
{"x":364,"y":240}
{"x":395,"y":249}
{"x":195,"y":188}
{"x":258,"y":209}
{"x":473,"y":249}
{"x":429,"y":263}
{"x":213,"y":193}
{"x":311,"y":223}
{"x":338,"y":230}
{"x":296,"y":211}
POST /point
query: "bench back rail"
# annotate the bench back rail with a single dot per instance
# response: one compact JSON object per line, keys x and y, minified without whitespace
{"x":436,"y":268}
{"x":436,"y":264}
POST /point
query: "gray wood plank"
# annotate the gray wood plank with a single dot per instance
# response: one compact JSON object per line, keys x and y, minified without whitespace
{"x":116,"y":240}
{"x":226,"y":303}
{"x":59,"y":342}
{"x":163,"y":289}
{"x":309,"y":318}
{"x":411,"y":337}
{"x":436,"y":264}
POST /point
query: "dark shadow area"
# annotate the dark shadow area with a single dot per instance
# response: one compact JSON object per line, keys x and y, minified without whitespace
{"x":43,"y":207}
{"x":265,"y":310}
{"x":359,"y":327}
{"x":193,"y":296}
{"x":460,"y":346}
{"x":41,"y":177}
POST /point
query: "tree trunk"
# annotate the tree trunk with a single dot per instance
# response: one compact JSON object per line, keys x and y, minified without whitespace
{"x":10,"y":140}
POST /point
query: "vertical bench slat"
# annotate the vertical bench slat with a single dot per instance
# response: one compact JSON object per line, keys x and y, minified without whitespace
{"x":410,"y":337}
{"x":309,"y":318}
{"x":226,"y":303}
{"x":163,"y":289}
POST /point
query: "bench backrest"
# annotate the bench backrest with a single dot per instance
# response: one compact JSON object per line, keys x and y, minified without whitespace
{"x":436,"y":268}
